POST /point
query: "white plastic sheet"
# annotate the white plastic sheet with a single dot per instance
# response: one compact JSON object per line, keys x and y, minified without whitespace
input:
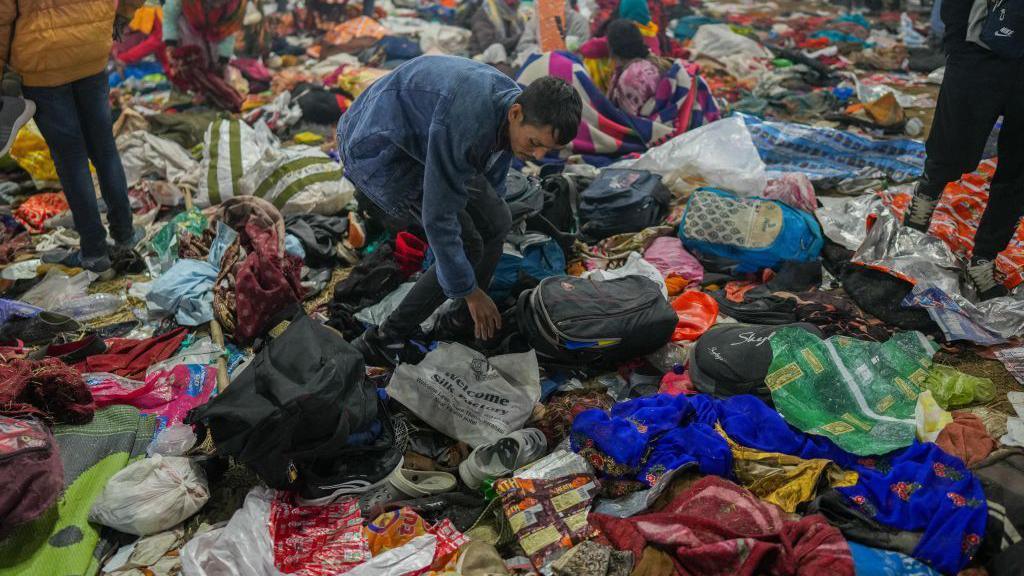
{"x":718,"y":40}
{"x":720,"y":154}
{"x":151,"y":495}
{"x":145,"y":154}
{"x":57,"y":288}
{"x":241,"y":548}
{"x":410,"y":558}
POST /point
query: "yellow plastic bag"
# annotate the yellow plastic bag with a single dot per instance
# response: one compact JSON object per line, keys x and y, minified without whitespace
{"x":930,"y":417}
{"x":33,"y":155}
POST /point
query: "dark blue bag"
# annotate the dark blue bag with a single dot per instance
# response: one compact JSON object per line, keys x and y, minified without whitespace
{"x":400,"y":48}
{"x":621,"y":201}
{"x":1004,"y":27}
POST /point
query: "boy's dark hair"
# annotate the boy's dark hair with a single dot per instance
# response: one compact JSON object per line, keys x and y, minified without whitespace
{"x":551,"y":101}
{"x":625,"y":40}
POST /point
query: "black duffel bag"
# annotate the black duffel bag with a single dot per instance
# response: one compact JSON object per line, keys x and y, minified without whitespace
{"x":586,"y":323}
{"x":298,"y":406}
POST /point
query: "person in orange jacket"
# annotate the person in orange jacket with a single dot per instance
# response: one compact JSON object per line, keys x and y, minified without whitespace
{"x":60,"y":49}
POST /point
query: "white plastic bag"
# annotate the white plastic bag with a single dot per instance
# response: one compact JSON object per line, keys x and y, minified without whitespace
{"x":151,"y":495}
{"x":173,"y":440}
{"x":930,"y":417}
{"x":718,"y":40}
{"x":241,"y":548}
{"x":57,"y":288}
{"x":444,"y":39}
{"x":231,"y":149}
{"x":635,"y":266}
{"x":465,"y":395}
{"x":719,"y":154}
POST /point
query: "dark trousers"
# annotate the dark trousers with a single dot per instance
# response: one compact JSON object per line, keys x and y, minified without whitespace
{"x":978,"y":88}
{"x":485,"y":222}
{"x":75,"y":120}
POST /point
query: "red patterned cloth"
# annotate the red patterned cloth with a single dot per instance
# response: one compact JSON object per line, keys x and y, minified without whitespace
{"x":718,"y":528}
{"x":39,"y":208}
{"x":267,"y":282}
{"x":317,"y":540}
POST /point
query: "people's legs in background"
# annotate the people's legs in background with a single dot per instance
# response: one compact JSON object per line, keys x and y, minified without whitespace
{"x":368,"y":8}
{"x":58,"y":120}
{"x":964,"y":116}
{"x":92,"y":100}
{"x":1006,"y":194}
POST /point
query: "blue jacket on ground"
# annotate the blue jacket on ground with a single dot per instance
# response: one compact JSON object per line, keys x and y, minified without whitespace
{"x":415,"y":137}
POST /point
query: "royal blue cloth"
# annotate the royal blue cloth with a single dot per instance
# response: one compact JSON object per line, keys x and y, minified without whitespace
{"x":647,"y":437}
{"x":413,"y":139}
{"x":919,"y":488}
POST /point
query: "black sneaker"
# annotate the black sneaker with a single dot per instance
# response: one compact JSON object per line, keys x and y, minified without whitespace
{"x":354,"y":471}
{"x":14,"y":113}
{"x":40,"y":329}
{"x":381,"y":350}
{"x":986,"y":279}
{"x":919,"y":213}
{"x":73,"y":259}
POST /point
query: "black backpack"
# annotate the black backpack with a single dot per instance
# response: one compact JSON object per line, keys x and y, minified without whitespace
{"x":621,"y":201}
{"x":523,"y":194}
{"x":296,"y":406}
{"x":584,"y":323}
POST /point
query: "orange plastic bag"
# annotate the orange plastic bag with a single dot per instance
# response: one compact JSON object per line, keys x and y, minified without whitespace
{"x":697,"y":312}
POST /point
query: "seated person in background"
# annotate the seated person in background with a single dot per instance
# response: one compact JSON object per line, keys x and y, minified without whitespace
{"x":637,"y":71}
{"x":495,"y":22}
{"x":596,"y":52}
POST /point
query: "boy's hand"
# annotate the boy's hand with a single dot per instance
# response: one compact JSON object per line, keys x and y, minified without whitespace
{"x":486,"y":318}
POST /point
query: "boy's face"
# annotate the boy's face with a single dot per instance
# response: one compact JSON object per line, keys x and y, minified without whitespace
{"x":529,"y":142}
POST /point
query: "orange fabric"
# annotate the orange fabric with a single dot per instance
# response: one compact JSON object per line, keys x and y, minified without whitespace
{"x":737,"y":289}
{"x":697,"y":312}
{"x":145,"y":18}
{"x":957,"y":217}
{"x":676,"y":284}
{"x":966,"y":438}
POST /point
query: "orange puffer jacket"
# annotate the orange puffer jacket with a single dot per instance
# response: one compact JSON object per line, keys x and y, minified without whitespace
{"x":59,"y":41}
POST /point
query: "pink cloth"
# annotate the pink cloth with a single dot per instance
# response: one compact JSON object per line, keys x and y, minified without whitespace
{"x":671,"y":259}
{"x":792,"y":189}
{"x":634,"y":87}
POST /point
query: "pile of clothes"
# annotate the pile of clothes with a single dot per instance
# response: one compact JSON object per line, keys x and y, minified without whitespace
{"x":720,"y":351}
